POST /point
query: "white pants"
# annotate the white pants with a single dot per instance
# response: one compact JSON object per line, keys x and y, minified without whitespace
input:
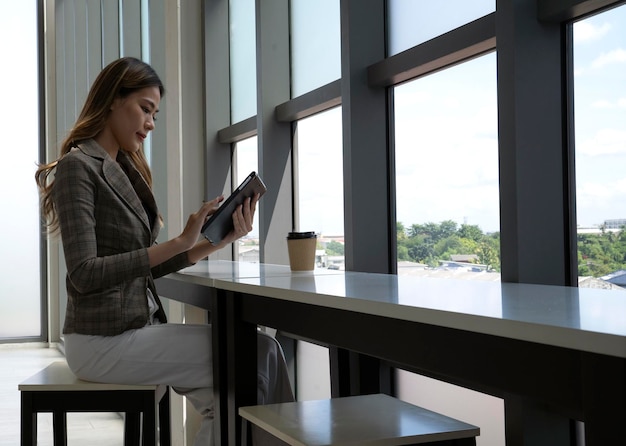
{"x":177,"y":355}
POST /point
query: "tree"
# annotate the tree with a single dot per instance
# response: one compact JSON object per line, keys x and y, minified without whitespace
{"x":400,"y":231}
{"x":430,"y":243}
{"x":403,"y":253}
{"x":334,"y":248}
{"x":472,"y":232}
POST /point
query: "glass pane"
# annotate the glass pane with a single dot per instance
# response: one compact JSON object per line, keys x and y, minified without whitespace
{"x":20,"y":293}
{"x":242,"y":60}
{"x":412,"y":22}
{"x":319,"y":172}
{"x":315,"y":44}
{"x":247,"y":160}
{"x":600,"y":114}
{"x":447,"y":194}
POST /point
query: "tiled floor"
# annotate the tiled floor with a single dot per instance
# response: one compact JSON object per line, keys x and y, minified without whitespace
{"x":18,"y":362}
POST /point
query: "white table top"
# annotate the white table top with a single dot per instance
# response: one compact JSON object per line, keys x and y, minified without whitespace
{"x":204,"y":272}
{"x":586,"y":319}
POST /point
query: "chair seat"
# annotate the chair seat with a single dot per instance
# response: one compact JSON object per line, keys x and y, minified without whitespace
{"x":56,"y":389}
{"x":368,"y":419}
{"x":58,"y":377}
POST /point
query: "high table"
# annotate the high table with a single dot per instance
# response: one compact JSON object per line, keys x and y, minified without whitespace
{"x":553,"y":353}
{"x":196,"y":286}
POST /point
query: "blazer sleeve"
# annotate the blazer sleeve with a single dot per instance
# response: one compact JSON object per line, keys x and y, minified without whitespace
{"x":172,"y":265}
{"x":75,"y":199}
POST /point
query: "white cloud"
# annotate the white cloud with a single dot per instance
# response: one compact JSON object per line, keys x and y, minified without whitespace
{"x":604,"y":142}
{"x":607,"y":104}
{"x":598,"y":201}
{"x":602,"y":103}
{"x":585,"y":31}
{"x":613,"y":56}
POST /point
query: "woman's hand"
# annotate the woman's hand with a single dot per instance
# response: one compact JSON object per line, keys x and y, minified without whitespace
{"x":190,"y":234}
{"x":242,"y":225}
{"x":242,"y":220}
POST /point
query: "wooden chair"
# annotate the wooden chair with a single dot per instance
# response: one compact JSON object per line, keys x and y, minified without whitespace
{"x":56,"y":389}
{"x":364,"y":420}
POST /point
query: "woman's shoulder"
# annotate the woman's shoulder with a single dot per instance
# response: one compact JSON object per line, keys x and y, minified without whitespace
{"x":82,"y":155}
{"x":76,"y":166}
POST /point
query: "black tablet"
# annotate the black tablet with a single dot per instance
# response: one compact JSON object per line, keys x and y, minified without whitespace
{"x":221,"y":223}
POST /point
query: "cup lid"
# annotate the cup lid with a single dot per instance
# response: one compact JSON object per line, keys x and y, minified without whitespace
{"x":297,"y":235}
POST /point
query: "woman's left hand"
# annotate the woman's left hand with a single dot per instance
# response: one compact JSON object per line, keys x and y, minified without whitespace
{"x":242,"y":220}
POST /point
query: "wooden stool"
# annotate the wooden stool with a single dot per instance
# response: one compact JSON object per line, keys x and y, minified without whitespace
{"x":56,"y":389}
{"x":364,"y":420}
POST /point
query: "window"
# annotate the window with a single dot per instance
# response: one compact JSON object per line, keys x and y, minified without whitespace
{"x":315,"y":44}
{"x":242,"y":59}
{"x":319,"y":173}
{"x":20,"y":286}
{"x":413,"y":22}
{"x":247,"y":160}
{"x":600,"y":144}
{"x":447,"y":194}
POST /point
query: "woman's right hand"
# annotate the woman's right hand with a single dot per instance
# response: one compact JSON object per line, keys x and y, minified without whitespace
{"x":190,"y":234}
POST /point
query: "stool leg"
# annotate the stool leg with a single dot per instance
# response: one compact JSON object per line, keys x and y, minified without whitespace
{"x":244,"y":432}
{"x":132,"y":429}
{"x":28,"y":430}
{"x":165,"y":434}
{"x":148,"y":428}
{"x":59,"y":427}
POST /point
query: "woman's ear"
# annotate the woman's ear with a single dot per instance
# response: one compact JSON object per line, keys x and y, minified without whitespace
{"x":116,"y":103}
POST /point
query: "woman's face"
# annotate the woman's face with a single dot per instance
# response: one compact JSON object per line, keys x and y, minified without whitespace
{"x":131,"y":119}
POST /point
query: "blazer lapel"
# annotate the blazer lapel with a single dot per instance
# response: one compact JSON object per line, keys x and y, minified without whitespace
{"x":120,"y":182}
{"x":141,"y":188}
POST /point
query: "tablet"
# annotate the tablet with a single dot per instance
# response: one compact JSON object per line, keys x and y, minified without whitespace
{"x":221,"y":223}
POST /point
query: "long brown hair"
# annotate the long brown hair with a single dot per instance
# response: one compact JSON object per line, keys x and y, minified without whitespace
{"x":117,"y":80}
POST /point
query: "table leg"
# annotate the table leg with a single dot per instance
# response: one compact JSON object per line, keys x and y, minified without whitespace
{"x":220,"y":373}
{"x":528,"y":423}
{"x":352,"y":373}
{"x":604,"y":399}
{"x":242,"y":364}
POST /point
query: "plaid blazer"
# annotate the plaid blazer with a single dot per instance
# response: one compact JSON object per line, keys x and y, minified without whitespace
{"x":103,"y":205}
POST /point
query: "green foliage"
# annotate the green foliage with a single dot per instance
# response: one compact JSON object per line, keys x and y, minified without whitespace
{"x":334,"y":248}
{"x":428,"y":243}
{"x":601,"y":254}
{"x":431,"y":242}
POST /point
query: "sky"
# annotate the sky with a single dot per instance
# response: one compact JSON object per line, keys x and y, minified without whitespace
{"x":447,"y":146}
{"x":453,"y":175}
{"x":600,"y":116}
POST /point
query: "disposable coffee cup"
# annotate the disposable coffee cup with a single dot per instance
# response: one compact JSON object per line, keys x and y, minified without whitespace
{"x":301,"y":247}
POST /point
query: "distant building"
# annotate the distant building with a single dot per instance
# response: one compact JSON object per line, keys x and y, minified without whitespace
{"x":466,"y":258}
{"x":611,"y":225}
{"x":466,"y":266}
{"x":617,"y":223}
{"x":593,"y":282}
{"x":249,"y":254}
{"x":616,"y":278}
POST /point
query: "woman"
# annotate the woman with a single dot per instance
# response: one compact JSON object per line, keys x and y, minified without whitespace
{"x":101,"y":201}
